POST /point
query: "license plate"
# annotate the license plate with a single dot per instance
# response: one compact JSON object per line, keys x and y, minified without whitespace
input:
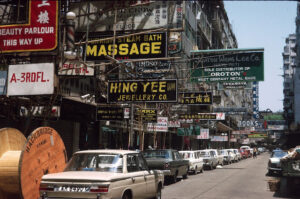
{"x":71,"y":189}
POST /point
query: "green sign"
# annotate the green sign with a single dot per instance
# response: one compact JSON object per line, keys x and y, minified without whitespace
{"x":193,"y":130}
{"x":228,"y":67}
{"x":258,"y":135}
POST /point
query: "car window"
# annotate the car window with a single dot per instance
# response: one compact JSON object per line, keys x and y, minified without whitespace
{"x":142,"y":163}
{"x":132,"y":163}
{"x":157,"y":154}
{"x":212,"y":153}
{"x":177,"y":156}
{"x":96,"y":162}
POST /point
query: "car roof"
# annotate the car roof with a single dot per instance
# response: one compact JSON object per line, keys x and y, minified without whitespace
{"x":109,"y":151}
{"x":187,"y":151}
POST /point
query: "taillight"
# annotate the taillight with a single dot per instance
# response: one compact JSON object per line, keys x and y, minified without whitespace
{"x":44,"y":187}
{"x":99,"y":189}
{"x":167,"y":165}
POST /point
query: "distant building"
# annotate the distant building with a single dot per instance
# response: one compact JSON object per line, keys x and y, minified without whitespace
{"x":297,"y":70}
{"x":289,"y":64}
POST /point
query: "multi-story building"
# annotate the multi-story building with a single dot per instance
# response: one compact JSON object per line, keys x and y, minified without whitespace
{"x":297,"y":70}
{"x":289,"y":58}
{"x":188,"y":26}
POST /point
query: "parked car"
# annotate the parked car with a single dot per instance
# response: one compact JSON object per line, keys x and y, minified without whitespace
{"x":248,"y":149}
{"x":219,"y":156}
{"x":238,"y":154}
{"x":232,"y":155}
{"x":226,"y":156}
{"x":244,"y":153}
{"x":209,"y":158}
{"x":195,"y":161}
{"x":104,"y":174}
{"x":169,"y":161}
{"x":274,"y":165}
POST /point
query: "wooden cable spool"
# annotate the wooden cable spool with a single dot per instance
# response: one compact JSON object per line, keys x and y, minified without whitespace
{"x":24,"y":162}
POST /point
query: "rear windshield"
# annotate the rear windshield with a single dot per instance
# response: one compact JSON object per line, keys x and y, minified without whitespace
{"x":96,"y":162}
{"x":157,"y":154}
{"x":204,"y":154}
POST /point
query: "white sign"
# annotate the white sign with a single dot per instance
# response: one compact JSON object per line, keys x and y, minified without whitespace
{"x":219,"y":138}
{"x":160,"y":126}
{"x":248,"y":123}
{"x":174,"y":124}
{"x":30,"y":79}
{"x":76,"y":68}
{"x":39,"y":111}
{"x":126,"y":113}
{"x":204,"y":134}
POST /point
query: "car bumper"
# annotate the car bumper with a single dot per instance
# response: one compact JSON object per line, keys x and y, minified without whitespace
{"x":166,"y":172}
{"x":274,"y":169}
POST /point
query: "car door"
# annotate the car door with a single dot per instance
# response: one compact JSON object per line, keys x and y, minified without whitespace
{"x":149,"y":177}
{"x":137,"y":176}
{"x":179,"y":163}
{"x":214,"y":158}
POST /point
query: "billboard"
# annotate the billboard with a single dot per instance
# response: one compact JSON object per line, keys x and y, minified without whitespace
{"x":131,"y":15}
{"x":30,"y":79}
{"x":3,"y":77}
{"x":143,"y":46}
{"x":142,"y":91}
{"x":204,"y":134}
{"x":229,"y":67}
{"x":200,"y":98}
{"x":40,"y":34}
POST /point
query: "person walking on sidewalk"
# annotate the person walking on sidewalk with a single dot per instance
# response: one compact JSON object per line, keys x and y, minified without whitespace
{"x":254,"y":152}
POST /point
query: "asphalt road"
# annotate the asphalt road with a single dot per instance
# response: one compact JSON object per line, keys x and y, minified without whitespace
{"x":243,"y":180}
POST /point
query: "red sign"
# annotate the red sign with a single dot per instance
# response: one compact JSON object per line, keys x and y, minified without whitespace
{"x":40,"y":34}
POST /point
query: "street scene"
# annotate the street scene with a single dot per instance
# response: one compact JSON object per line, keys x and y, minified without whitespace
{"x":141,"y":99}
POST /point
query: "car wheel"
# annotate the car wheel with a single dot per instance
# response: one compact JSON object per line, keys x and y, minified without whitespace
{"x":158,"y":193}
{"x":126,"y":195}
{"x":202,"y":170}
{"x":196,"y":171}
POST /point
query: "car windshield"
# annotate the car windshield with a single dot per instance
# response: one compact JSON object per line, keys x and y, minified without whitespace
{"x":278,"y":154}
{"x":223,"y":152}
{"x":96,"y":162}
{"x":157,"y":154}
{"x":186,"y":155}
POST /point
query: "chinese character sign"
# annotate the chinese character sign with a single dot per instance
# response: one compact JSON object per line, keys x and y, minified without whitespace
{"x":40,"y":34}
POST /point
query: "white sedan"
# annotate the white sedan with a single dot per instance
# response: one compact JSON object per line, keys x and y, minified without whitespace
{"x":103,"y":174}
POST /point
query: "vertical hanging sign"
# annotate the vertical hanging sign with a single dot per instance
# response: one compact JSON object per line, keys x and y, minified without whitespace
{"x":40,"y":34}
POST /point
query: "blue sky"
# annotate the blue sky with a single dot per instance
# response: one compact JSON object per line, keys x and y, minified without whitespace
{"x":265,"y":24}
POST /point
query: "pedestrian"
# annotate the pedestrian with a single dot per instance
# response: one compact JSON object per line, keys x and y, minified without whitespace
{"x":254,"y":152}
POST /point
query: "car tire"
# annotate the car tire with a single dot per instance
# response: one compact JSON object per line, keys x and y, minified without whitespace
{"x":158,"y":193}
{"x":196,"y":170}
{"x":202,"y":170}
{"x":126,"y":195}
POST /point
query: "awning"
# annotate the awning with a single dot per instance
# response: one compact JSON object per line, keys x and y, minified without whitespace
{"x":223,"y":127}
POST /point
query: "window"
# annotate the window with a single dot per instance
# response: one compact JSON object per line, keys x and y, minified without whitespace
{"x":142,"y":163}
{"x":132,"y":163}
{"x":177,"y":156}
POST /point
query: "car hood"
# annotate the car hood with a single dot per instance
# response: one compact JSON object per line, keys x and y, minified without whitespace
{"x":274,"y":160}
{"x":83,"y":176}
